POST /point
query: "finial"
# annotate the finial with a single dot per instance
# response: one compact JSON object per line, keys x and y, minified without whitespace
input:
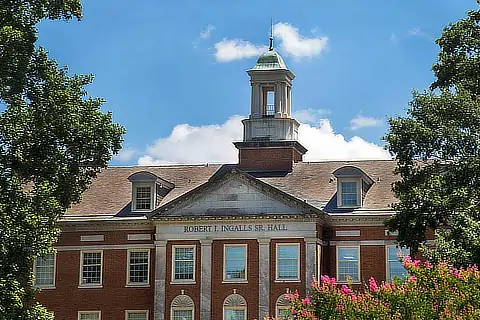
{"x":271,"y":35}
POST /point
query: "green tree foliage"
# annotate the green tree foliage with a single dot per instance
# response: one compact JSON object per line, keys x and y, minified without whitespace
{"x":54,"y":139}
{"x":437,"y":146}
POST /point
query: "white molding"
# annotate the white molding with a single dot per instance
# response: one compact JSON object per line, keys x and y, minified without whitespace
{"x":338,"y":264}
{"x":136,"y":311}
{"x":105,"y":247}
{"x":279,"y":244}
{"x":361,"y":242}
{"x":139,"y":236}
{"x":184,"y":281}
{"x":347,"y":233}
{"x":90,"y":285}
{"x":94,"y":237}
{"x":138,"y":284}
{"x":236,"y":280}
{"x":390,"y":233}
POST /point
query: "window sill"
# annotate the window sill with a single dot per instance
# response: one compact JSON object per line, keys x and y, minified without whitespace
{"x":91,"y":286}
{"x":183,"y":282}
{"x":287,"y":280}
{"x":235,"y":281}
{"x":44,"y":287}
{"x":137,"y":285}
{"x":351,"y":282}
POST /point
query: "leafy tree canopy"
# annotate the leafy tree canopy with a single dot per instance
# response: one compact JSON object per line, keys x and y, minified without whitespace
{"x":437,"y":146}
{"x":54,"y":139}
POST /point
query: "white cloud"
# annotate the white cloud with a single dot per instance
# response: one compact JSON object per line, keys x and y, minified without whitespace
{"x":291,"y":42}
{"x":197,"y":144}
{"x":207,"y":32}
{"x":213,"y":144}
{"x":311,"y":116}
{"x":235,"y":49}
{"x":360,"y":122}
{"x":125,"y":154}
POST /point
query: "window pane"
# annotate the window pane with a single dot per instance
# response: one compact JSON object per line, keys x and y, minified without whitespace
{"x":348,"y":264}
{"x":182,"y":314}
{"x":89,"y":316}
{"x":139,"y":267}
{"x":234,"y":314}
{"x":235,"y":262}
{"x":92,"y":267}
{"x":184,"y":263}
{"x":395,"y":267}
{"x":282,"y":313}
{"x":140,"y":315}
{"x":143,"y":197}
{"x":287,"y":261}
{"x":45,"y":270}
{"x":349,"y":193}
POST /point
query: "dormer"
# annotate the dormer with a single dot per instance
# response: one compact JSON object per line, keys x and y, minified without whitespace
{"x":148,"y":190}
{"x":352,"y":186}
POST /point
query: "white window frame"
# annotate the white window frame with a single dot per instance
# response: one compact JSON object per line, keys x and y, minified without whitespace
{"x":277,"y":269}
{"x":225,"y":279}
{"x":172,"y":309}
{"x":387,"y":261}
{"x":338,"y":263}
{"x":127,"y":312}
{"x":279,"y":307}
{"x":46,"y":286}
{"x":174,"y":247}
{"x":235,"y":308}
{"x":138,"y":284}
{"x":90,"y":312}
{"x":339,"y":192}
{"x":137,"y":185}
{"x":90,"y":285}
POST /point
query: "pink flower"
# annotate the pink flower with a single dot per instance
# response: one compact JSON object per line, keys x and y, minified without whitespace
{"x":428,"y":265}
{"x":412,"y":279}
{"x":346,"y":290}
{"x":354,"y":297}
{"x":373,"y":284}
{"x":306,"y":301}
{"x":326,"y":279}
{"x":455,"y":272}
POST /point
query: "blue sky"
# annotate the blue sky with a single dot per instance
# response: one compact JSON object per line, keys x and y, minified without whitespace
{"x":173,"y":72}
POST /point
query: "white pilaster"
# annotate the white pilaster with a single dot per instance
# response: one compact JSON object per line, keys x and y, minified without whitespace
{"x":160,"y":276}
{"x":206,"y":279}
{"x":310,"y":260}
{"x":278,"y":100}
{"x":263,"y":277}
{"x":257,"y":112}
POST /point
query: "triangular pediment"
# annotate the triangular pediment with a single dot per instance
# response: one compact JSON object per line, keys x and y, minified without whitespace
{"x":234,"y":194}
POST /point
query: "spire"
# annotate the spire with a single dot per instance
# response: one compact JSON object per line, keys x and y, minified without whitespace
{"x":271,"y":35}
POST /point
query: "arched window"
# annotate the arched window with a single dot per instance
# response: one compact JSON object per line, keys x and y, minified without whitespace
{"x":182,"y":308}
{"x":235,"y":308}
{"x":281,"y":307}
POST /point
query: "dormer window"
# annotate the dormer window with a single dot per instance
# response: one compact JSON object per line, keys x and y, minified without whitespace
{"x":143,"y":198}
{"x":349,"y":194}
{"x":352,"y":186}
{"x":148,"y":190}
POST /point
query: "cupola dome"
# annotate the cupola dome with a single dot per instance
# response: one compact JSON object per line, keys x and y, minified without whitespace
{"x":270,"y":60}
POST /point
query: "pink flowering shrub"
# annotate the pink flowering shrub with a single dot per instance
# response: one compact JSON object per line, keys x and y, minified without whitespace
{"x":430,"y":292}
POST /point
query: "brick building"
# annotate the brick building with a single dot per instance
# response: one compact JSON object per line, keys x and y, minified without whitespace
{"x":222,"y":241}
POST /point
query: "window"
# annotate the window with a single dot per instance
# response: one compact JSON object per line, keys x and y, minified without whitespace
{"x":349,"y":194}
{"x":45,"y":271}
{"x":394,"y":265}
{"x":183,"y":263}
{"x":348,"y":266}
{"x":136,"y":315}
{"x":288,"y":267}
{"x":235,"y":262}
{"x":143,"y":198}
{"x":235,"y":308}
{"x":89,"y":315}
{"x":282,"y":307}
{"x":138,"y":267}
{"x":182,"y":308}
{"x":91,"y":268}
